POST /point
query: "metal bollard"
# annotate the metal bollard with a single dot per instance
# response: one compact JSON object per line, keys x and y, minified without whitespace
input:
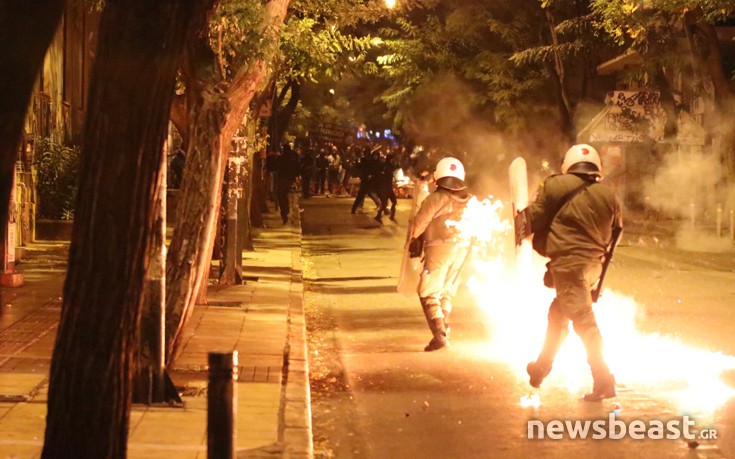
{"x":719,"y":220}
{"x":222,"y":406}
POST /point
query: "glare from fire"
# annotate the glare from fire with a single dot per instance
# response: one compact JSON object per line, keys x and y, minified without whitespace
{"x":530,"y":401}
{"x":508,"y":287}
{"x":400,"y":179}
{"x":482,"y":222}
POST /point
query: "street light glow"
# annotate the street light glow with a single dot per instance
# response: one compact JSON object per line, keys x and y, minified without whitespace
{"x":390,"y":4}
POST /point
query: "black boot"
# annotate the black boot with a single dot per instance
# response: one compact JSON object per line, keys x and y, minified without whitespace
{"x":439,"y":341}
{"x":604,"y":381}
{"x":604,"y":388}
{"x":537,"y":371}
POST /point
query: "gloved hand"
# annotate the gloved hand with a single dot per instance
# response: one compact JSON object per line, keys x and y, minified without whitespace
{"x":522,"y":225}
{"x":415,"y":247}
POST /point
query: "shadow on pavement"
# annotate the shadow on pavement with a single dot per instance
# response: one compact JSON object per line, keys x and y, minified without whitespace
{"x":357,"y":290}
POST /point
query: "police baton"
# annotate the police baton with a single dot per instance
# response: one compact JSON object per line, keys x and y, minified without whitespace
{"x":597,"y":291}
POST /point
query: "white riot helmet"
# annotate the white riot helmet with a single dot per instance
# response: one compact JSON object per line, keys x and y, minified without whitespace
{"x":449,"y":167}
{"x":450,"y":174}
{"x":582,"y":158}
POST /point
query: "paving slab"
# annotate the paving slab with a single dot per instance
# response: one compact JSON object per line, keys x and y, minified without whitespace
{"x":258,"y":319}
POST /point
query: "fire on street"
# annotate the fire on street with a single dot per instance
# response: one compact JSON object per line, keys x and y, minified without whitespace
{"x":375,"y":393}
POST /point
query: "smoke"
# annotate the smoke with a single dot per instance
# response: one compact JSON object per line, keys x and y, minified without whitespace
{"x":687,"y":187}
{"x":445,"y":117}
{"x":696,"y":240}
{"x":684,"y":181}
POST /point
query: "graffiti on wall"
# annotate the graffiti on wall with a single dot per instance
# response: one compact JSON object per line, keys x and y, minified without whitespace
{"x":632,"y":116}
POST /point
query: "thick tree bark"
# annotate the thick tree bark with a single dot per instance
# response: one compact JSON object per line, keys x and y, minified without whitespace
{"x":237,"y":174}
{"x":130,"y":94}
{"x":151,"y":382}
{"x":246,"y":231}
{"x":187,"y":271}
{"x":179,"y":118}
{"x":245,"y":85}
{"x":201,"y":181}
{"x":26,"y":30}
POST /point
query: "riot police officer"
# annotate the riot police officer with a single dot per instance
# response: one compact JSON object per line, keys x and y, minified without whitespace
{"x":572,"y":219}
{"x":444,"y":250}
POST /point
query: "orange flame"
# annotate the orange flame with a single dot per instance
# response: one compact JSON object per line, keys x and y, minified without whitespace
{"x":481,"y":222}
{"x":510,"y":291}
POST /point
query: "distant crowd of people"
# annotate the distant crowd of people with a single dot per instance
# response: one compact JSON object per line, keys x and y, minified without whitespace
{"x":329,"y":170}
{"x":360,"y":170}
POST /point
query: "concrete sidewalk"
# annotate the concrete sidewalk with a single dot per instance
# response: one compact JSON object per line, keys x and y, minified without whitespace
{"x":262,"y":319}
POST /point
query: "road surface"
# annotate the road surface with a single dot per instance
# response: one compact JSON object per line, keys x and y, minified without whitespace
{"x":376,"y":394}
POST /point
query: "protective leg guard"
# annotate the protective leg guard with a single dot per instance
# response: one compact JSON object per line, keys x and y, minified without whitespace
{"x":439,"y":341}
{"x":447,"y":328}
{"x":446,"y":306}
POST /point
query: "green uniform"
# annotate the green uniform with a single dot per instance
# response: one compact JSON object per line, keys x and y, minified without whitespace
{"x":582,"y":230}
{"x":578,"y":239}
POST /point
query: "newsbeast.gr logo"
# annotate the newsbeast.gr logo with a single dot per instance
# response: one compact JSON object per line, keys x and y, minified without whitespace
{"x":616,"y":429}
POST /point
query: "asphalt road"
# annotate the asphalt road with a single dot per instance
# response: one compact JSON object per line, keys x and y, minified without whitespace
{"x":376,"y":394}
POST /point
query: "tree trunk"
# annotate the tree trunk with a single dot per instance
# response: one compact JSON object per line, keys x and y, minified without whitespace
{"x":724,"y":93}
{"x":567,"y":126}
{"x":246,"y":235}
{"x":708,"y":58}
{"x":26,"y":30}
{"x":151,"y":382}
{"x":189,"y":270}
{"x":282,"y":114}
{"x":258,"y":203}
{"x":237,"y":174}
{"x":196,"y":213}
{"x":558,"y":79}
{"x":671,"y":128}
{"x":130,"y":95}
{"x":179,"y":115}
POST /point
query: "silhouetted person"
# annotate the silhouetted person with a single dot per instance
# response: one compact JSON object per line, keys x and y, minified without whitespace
{"x":322,"y":166}
{"x":307,"y":166}
{"x":384,"y":187}
{"x":367,"y":169}
{"x":176,"y":169}
{"x":287,"y":169}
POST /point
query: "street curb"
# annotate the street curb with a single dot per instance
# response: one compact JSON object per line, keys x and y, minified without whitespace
{"x":296,"y":416}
